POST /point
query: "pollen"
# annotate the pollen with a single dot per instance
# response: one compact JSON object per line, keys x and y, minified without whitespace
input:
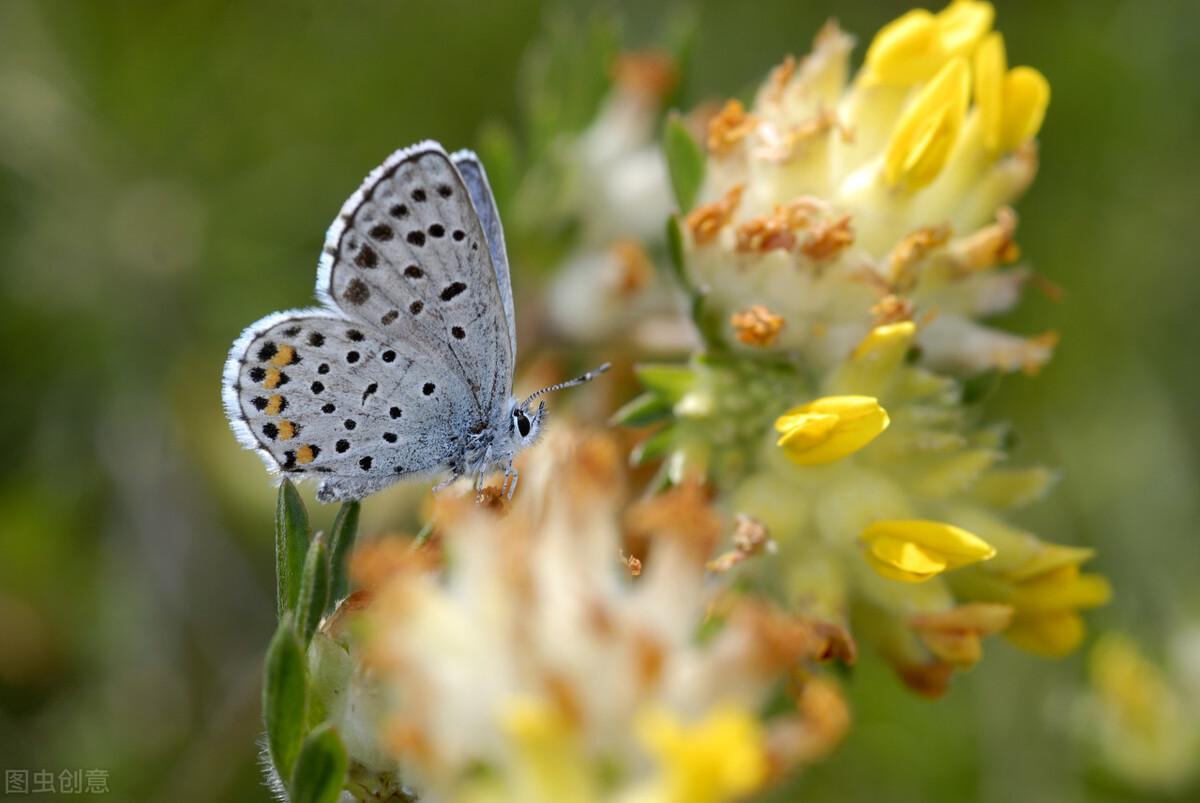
{"x":287,"y":430}
{"x":892,"y":309}
{"x":990,"y":246}
{"x":729,"y":127}
{"x":912,"y":249}
{"x":765,"y":233}
{"x":779,"y":78}
{"x":829,"y":239}
{"x":286,"y":355}
{"x":274,"y":405}
{"x":706,"y":221}
{"x":757,"y":326}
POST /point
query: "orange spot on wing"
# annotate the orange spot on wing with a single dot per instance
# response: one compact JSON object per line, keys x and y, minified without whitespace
{"x":286,"y":355}
{"x":274,"y":405}
{"x":287,"y":430}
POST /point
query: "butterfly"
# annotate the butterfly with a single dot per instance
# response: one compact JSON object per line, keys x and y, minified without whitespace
{"x":406,"y":367}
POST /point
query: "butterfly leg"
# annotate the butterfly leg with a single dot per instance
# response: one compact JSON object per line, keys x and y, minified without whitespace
{"x":511,"y":475}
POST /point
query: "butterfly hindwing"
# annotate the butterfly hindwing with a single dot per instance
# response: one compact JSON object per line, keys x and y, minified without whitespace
{"x":321,"y":395}
{"x":409,"y":257}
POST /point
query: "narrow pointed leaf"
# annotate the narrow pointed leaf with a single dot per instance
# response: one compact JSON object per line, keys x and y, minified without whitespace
{"x":314,"y":590}
{"x":283,"y":697}
{"x":670,"y":382}
{"x":345,"y":530}
{"x":654,"y":447}
{"x":291,"y":543}
{"x":645,"y":409}
{"x":685,"y":162}
{"x":321,"y":767}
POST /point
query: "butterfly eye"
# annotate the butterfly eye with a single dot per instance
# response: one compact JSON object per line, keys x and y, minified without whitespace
{"x":522,"y":422}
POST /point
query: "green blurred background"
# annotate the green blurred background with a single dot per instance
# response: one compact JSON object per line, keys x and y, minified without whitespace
{"x":167,"y":172}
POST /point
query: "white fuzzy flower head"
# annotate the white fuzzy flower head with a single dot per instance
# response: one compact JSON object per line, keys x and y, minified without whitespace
{"x":524,"y":655}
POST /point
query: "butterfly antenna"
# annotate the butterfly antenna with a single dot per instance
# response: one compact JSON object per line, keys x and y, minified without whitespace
{"x":579,"y":380}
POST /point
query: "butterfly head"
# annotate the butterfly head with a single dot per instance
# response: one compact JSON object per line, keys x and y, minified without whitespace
{"x":526,"y":422}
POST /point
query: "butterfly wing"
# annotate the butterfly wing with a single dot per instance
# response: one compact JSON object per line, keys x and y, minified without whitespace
{"x":471,"y":169}
{"x":317,"y":394}
{"x":414,"y":352}
{"x":409,"y":256}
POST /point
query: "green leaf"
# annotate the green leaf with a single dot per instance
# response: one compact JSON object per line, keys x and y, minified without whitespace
{"x":685,"y":162}
{"x":675,"y":250}
{"x":654,"y":447}
{"x":645,"y":409}
{"x":709,"y":322}
{"x":284,"y":690}
{"x":345,"y":530}
{"x":291,"y":542}
{"x":679,"y":39}
{"x":314,"y":590}
{"x":670,"y":382}
{"x":321,"y":768}
{"x":565,"y":76}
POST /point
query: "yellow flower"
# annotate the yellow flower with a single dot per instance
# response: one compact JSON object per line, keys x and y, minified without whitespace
{"x":718,"y":758}
{"x":914,"y":47}
{"x":1140,"y":718}
{"x":830,"y":428}
{"x":874,"y":361}
{"x":916,"y":550}
{"x":1047,"y":621}
{"x":926,"y":133}
{"x":1012,"y":103}
{"x":550,"y":765}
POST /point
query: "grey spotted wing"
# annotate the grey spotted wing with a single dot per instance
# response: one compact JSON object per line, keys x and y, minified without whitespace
{"x":320,"y":395}
{"x":475,"y":177}
{"x":408,"y":256}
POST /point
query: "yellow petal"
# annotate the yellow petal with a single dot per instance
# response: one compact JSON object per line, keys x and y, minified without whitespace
{"x":830,"y":428}
{"x":874,"y":360}
{"x":1026,"y":96}
{"x":962,"y":23}
{"x":915,"y":46}
{"x":917,"y":549}
{"x":904,"y":560}
{"x":928,"y":129}
{"x":1053,"y":635}
{"x":1062,"y":589}
{"x":906,"y":50}
{"x":990,"y":69}
{"x":717,"y":758}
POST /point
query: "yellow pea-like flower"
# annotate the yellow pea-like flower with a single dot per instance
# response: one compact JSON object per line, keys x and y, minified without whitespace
{"x":912,"y":48}
{"x":926,"y":132}
{"x":915,"y":550}
{"x":830,"y":428}
{"x":720,"y":757}
{"x":1012,"y":103}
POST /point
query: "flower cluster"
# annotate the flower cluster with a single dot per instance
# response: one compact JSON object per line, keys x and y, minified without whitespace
{"x":851,"y":231}
{"x":837,"y":203}
{"x":522,"y":654}
{"x":1141,"y":718}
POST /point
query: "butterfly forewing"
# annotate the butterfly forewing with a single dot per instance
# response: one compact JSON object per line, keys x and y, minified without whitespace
{"x":409,"y":257}
{"x":473,"y":174}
